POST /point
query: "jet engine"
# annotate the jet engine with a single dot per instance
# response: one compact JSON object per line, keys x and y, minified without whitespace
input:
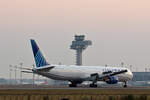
{"x":111,"y":80}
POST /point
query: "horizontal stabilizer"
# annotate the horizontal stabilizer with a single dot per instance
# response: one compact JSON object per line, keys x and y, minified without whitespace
{"x":45,"y":69}
{"x":26,"y":72}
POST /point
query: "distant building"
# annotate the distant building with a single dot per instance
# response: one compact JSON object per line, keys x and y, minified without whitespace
{"x":141,"y":76}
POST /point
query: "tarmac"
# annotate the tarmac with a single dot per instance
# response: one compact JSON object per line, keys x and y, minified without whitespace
{"x":20,"y":92}
{"x":47,"y":87}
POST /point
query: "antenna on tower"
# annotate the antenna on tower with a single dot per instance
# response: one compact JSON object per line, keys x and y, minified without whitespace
{"x":79,"y":44}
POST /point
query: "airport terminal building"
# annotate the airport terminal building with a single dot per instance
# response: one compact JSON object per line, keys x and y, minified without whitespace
{"x":141,"y":76}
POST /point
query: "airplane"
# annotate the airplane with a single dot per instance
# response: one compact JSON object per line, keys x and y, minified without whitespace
{"x":78,"y":74}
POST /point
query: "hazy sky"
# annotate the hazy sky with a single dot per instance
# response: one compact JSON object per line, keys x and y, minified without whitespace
{"x":119,"y":29}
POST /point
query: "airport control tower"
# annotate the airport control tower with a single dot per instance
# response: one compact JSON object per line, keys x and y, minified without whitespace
{"x":79,"y":44}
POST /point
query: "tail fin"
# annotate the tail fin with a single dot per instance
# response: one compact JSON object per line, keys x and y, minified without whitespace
{"x":39,"y":58}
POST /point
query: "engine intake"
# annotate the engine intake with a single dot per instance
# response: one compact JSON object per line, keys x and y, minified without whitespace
{"x":112,"y":80}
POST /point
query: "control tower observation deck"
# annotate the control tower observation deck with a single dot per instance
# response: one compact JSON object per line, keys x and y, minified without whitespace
{"x":79,"y":44}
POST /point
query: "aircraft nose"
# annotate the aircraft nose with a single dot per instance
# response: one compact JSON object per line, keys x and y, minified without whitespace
{"x":131,"y":74}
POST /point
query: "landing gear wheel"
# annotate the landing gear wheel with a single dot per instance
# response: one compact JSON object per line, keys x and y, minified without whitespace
{"x":72,"y":85}
{"x":93,"y":85}
{"x":125,"y":86}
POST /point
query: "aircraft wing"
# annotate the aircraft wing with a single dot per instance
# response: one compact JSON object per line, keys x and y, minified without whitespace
{"x":112,"y":74}
{"x":95,"y":76}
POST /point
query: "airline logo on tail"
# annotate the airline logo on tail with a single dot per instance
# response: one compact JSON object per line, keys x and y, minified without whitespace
{"x":39,"y":58}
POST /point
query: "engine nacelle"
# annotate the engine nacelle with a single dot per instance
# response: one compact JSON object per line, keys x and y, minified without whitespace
{"x":112,"y":80}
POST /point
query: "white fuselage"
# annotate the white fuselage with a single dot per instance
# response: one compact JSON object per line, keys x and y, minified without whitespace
{"x":63,"y":72}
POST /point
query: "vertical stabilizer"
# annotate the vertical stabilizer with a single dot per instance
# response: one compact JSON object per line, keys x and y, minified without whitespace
{"x":38,"y":56}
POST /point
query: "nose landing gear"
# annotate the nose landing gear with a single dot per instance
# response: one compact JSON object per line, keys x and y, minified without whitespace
{"x":125,"y":84}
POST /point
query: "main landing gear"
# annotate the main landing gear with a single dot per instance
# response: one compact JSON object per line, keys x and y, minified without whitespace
{"x":72,"y":85}
{"x":93,"y":85}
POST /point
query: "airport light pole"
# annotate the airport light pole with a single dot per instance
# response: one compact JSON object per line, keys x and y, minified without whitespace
{"x":38,"y":77}
{"x":15,"y":74}
{"x":131,"y":67}
{"x":145,"y":69}
{"x":122,"y":64}
{"x":136,"y":69}
{"x":59,"y":63}
{"x":33,"y":78}
{"x":10,"y":70}
{"x":21,"y":73}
